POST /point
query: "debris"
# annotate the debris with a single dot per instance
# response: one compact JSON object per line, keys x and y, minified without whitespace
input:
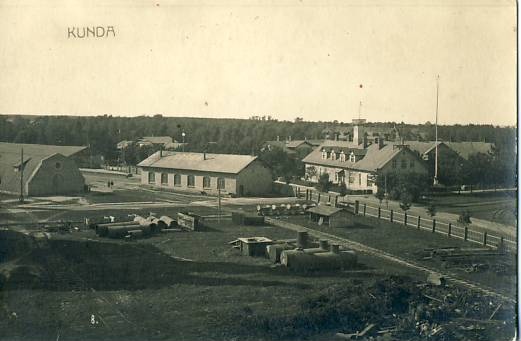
{"x":495,"y":311}
{"x":435,"y":279}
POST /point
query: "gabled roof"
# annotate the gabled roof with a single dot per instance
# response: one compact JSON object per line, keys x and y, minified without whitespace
{"x":465,"y":149}
{"x":324,"y":210}
{"x":371,"y":159}
{"x":156,"y":139}
{"x":219,"y":163}
{"x":10,"y":155}
{"x":423,"y":147}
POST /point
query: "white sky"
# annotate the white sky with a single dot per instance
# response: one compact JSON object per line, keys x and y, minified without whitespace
{"x":280,"y":58}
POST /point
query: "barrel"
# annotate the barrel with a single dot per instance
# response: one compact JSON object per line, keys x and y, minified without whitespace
{"x":324,"y":244}
{"x":302,"y":239}
{"x":169,"y":222}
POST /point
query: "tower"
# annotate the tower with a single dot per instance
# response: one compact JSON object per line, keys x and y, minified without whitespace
{"x":358,"y":130}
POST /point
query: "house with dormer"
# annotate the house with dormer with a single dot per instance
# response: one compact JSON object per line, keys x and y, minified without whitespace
{"x":358,"y":163}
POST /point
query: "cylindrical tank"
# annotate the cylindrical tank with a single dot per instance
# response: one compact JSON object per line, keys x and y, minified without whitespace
{"x":169,"y":222}
{"x":122,"y":223}
{"x":274,"y":251}
{"x":324,"y":244}
{"x":335,"y":248}
{"x":300,"y":261}
{"x":302,"y":239}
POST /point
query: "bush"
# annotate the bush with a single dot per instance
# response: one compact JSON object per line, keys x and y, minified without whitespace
{"x":323,"y":183}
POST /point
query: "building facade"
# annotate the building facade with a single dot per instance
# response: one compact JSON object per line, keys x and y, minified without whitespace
{"x":358,"y":165}
{"x":47,"y":170}
{"x":238,"y":175}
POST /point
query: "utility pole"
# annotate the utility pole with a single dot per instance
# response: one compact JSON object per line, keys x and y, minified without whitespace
{"x":436,"y":132}
{"x":22,"y":176}
{"x":219,"y":198}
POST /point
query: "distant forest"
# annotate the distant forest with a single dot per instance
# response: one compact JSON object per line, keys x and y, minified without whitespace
{"x":242,"y":136}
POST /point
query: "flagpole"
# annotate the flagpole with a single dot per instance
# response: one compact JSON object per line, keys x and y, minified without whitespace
{"x":436,"y":144}
{"x":22,"y":177}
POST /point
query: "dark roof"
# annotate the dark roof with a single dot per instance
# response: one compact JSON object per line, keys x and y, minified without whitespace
{"x":219,"y":163}
{"x":156,"y":139}
{"x":370,"y":159}
{"x":324,"y":210}
{"x":10,"y":154}
{"x":465,"y":149}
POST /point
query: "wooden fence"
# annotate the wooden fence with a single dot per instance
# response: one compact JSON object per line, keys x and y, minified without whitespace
{"x":450,"y":230}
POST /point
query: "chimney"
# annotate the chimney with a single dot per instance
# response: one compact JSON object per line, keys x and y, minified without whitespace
{"x":380,"y":142}
{"x":365,"y":141}
{"x":204,"y":155}
{"x":278,"y":138}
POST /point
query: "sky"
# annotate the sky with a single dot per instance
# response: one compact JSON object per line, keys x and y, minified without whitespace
{"x":311,"y":59}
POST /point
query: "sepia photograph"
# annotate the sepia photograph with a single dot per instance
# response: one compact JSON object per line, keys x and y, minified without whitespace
{"x":241,"y":170}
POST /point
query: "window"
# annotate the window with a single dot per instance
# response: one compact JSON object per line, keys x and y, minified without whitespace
{"x":324,"y":154}
{"x":352,"y":157}
{"x":58,"y":165}
{"x":404,"y":163}
{"x":395,"y":163}
{"x":220,"y":183}
{"x":151,"y":177}
{"x":333,"y":155}
{"x":177,"y":180}
{"x":206,"y":182}
{"x":360,"y":179}
{"x":191,"y":181}
{"x":351,"y":178}
{"x":411,"y":164}
{"x":342,"y":157}
{"x":164,"y":179}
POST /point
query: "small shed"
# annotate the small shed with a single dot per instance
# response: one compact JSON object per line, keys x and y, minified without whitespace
{"x":331,"y":216}
{"x":254,"y":246}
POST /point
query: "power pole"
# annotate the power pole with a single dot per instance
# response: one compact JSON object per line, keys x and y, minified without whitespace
{"x":219,"y":198}
{"x":22,"y":176}
{"x":436,"y":143}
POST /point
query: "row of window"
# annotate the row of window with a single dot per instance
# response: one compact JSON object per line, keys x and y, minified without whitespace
{"x":403,"y":163}
{"x":341,"y":156}
{"x":190,"y":180}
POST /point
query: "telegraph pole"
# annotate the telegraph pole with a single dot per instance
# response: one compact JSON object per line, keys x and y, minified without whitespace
{"x":436,"y":145}
{"x":22,"y":176}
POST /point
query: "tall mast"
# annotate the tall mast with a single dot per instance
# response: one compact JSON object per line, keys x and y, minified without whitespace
{"x":436,"y":145}
{"x":22,"y":176}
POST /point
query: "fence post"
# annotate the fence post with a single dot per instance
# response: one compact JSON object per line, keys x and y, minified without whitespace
{"x":485,"y":238}
{"x":502,"y":243}
{"x":336,"y":200}
{"x":405,"y":218}
{"x":450,"y":230}
{"x":379,"y":212}
{"x":466,"y":233}
{"x":357,"y":206}
{"x":391,"y":216}
{"x":433,"y":225}
{"x":329,"y":198}
{"x":318,"y":197}
{"x":419,"y":222}
{"x":365,"y":207}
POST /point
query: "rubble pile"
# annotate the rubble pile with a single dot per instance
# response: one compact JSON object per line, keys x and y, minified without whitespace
{"x":391,"y":308}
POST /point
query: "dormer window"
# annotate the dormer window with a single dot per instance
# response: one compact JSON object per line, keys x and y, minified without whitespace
{"x":333,"y":155}
{"x":352,"y":157}
{"x":342,"y":156}
{"x":324,"y":154}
